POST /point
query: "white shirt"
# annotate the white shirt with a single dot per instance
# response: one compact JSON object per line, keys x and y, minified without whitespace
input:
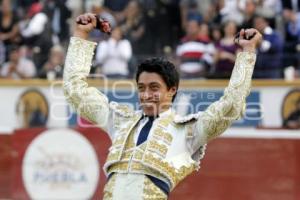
{"x":114,"y":56}
{"x":143,"y":122}
{"x":25,"y":67}
{"x":35,"y":26}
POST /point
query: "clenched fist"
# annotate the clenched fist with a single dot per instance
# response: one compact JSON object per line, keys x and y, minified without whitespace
{"x":248,"y":39}
{"x":89,"y":21}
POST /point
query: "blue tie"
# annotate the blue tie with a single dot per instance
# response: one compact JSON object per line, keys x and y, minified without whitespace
{"x":145,"y":131}
{"x":142,"y":138}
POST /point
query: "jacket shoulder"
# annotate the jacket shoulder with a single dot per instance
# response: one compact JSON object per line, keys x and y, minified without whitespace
{"x":121,"y":109}
{"x":186,"y":119}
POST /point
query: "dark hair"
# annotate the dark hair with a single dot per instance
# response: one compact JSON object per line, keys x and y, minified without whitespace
{"x":164,"y":68}
{"x":13,"y":47}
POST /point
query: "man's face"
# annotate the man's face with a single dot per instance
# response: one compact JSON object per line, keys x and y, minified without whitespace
{"x":116,"y":34}
{"x":260,"y":24}
{"x":154,"y":94}
{"x":192,"y":28}
{"x":14,"y":56}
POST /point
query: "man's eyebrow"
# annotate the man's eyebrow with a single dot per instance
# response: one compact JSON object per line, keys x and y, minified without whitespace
{"x":151,"y":83}
{"x":154,"y":83}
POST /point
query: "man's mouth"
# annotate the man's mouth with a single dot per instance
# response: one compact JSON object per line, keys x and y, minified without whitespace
{"x":149,"y":103}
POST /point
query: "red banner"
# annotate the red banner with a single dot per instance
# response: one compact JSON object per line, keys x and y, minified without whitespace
{"x":247,"y":169}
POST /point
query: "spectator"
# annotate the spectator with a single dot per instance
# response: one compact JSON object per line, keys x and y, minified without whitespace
{"x":9,"y":31}
{"x":22,"y":6}
{"x":53,"y":68}
{"x":58,"y":14}
{"x":214,"y":12}
{"x":103,"y":12}
{"x":293,"y":120}
{"x":215,"y":33}
{"x":226,"y":51}
{"x":89,"y":4}
{"x":269,"y":55}
{"x":18,"y":67}
{"x":189,"y":9}
{"x":232,"y":11}
{"x":293,"y":5}
{"x":195,"y":51}
{"x":291,"y":14}
{"x":77,"y":7}
{"x":133,"y":26}
{"x":270,"y":9}
{"x":37,"y":34}
{"x":116,"y":7}
{"x":24,"y":3}
{"x":249,"y":13}
{"x":113,"y":55}
{"x":159,"y":31}
{"x":2,"y":53}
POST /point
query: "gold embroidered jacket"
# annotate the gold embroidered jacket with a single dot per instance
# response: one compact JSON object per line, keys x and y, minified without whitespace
{"x":175,"y":144}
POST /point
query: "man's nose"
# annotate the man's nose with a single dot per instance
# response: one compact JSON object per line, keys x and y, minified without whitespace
{"x":147,"y":94}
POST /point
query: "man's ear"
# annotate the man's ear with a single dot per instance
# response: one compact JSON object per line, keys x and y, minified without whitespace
{"x":172,"y":91}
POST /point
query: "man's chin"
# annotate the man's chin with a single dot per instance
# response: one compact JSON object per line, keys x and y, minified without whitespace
{"x":149,"y":106}
{"x":149,"y":110}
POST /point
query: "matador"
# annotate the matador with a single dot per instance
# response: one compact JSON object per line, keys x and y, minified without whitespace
{"x":154,"y":148}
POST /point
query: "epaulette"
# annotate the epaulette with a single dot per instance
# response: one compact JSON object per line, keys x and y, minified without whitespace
{"x":121,"y":109}
{"x":185,"y":119}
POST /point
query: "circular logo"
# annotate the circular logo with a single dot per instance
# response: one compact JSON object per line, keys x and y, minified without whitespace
{"x":290,"y":102}
{"x":60,"y":164}
{"x":32,"y":109}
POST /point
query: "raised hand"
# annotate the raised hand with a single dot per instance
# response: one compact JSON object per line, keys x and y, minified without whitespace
{"x":85,"y":23}
{"x":248,"y":39}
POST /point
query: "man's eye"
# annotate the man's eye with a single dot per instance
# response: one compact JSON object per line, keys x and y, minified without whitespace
{"x":155,"y":87}
{"x":140,"y":88}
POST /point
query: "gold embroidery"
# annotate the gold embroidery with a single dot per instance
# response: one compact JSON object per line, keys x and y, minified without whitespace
{"x":163,"y":134}
{"x":113,"y":156}
{"x":144,"y":159}
{"x":88,"y":102}
{"x":126,"y":155}
{"x":154,"y":167}
{"x":220,"y":115}
{"x":135,"y":167}
{"x":123,"y":131}
{"x":119,"y":141}
{"x":138,"y":155}
{"x":173,"y":174}
{"x":164,"y":122}
{"x":118,"y":167}
{"x":130,"y":141}
{"x":152,"y":192}
{"x":108,"y":188}
{"x":127,"y":138}
{"x":160,"y":148}
{"x":124,"y":109}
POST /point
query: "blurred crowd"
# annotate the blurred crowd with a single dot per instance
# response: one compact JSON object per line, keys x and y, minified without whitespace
{"x":197,"y":35}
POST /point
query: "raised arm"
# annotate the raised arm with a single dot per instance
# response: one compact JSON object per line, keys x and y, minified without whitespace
{"x":88,"y":102}
{"x":220,"y":115}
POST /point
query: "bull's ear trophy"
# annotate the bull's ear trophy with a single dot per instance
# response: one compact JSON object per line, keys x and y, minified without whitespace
{"x":245,"y":37}
{"x":102,"y":25}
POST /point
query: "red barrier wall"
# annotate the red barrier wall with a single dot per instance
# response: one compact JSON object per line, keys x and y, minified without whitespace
{"x":233,"y":169}
{"x":6,"y":158}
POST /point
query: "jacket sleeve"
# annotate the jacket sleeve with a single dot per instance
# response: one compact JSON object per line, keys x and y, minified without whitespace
{"x":88,"y":102}
{"x":231,"y":106}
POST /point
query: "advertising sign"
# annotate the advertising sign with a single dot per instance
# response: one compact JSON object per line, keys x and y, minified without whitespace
{"x":60,"y":164}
